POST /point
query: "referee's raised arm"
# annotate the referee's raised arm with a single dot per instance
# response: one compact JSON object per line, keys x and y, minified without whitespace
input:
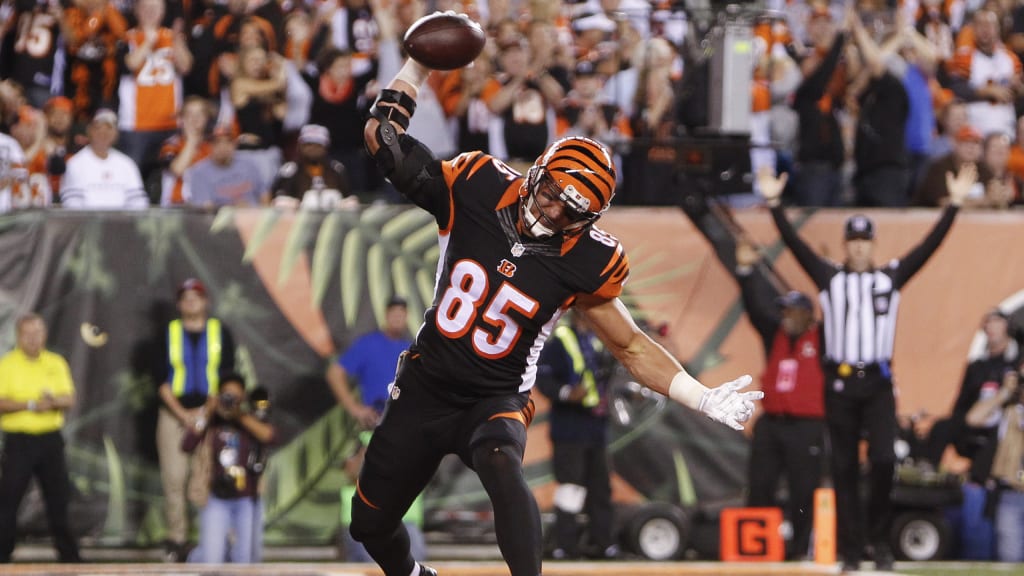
{"x":959,"y":187}
{"x":819,"y":269}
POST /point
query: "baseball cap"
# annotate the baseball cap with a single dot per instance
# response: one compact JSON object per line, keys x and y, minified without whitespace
{"x":596,"y":21}
{"x":859,"y":227}
{"x":397,"y":301}
{"x":105,"y":115}
{"x":795,"y":299}
{"x":968,"y":134}
{"x":193,"y":284}
{"x":314,"y":134}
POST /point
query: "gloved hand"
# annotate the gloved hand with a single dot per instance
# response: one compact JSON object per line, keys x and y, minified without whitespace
{"x":728,"y":406}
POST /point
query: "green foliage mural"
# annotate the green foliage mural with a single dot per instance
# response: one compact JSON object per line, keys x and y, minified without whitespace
{"x":294,"y":288}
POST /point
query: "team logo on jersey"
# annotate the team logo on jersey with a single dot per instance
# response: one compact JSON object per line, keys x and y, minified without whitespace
{"x":506,"y":268}
{"x":808,"y":350}
{"x":517,"y":250}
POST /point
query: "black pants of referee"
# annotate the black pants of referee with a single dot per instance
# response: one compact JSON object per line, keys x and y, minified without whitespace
{"x":41,"y":456}
{"x":861,"y":403}
{"x":791,"y":447}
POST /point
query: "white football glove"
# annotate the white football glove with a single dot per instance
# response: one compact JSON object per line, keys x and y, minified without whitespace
{"x":728,"y":406}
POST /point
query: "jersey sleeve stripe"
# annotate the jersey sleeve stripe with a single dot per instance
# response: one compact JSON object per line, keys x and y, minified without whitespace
{"x":615,"y":260}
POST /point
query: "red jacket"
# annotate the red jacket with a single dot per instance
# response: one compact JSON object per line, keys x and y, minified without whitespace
{"x":793,"y":382}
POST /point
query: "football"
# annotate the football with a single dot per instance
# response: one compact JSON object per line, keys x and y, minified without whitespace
{"x":444,"y":41}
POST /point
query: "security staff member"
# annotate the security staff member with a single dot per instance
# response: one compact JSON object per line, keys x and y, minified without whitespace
{"x":199,"y":350}
{"x":573,"y":372}
{"x":35,"y":391}
{"x":859,"y":305}
{"x":789,"y":436}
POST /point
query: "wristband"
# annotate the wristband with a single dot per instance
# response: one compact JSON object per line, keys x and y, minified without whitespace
{"x":413,"y":74}
{"x":686,"y":390}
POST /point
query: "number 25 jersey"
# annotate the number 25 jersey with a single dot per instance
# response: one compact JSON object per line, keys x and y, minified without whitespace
{"x":499,"y":293}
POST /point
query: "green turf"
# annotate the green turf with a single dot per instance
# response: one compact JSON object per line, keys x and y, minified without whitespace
{"x":964,"y":569}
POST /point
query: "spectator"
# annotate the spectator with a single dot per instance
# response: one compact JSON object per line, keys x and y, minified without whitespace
{"x":966,"y":153}
{"x":1002,"y":189}
{"x":339,"y":103}
{"x":13,"y":173}
{"x":184,"y":150}
{"x":35,"y":392}
{"x":860,"y":319}
{"x":586,"y":111}
{"x":952,"y":118}
{"x":522,"y":97}
{"x":882,"y":177}
{"x":39,"y":51}
{"x":12,"y":98}
{"x":237,"y":443}
{"x":314,"y":181}
{"x":817,"y":101}
{"x":99,"y":177}
{"x":789,"y":437}
{"x":573,"y":372}
{"x":199,"y":352}
{"x":354,"y":30}
{"x":59,"y":146}
{"x":92,"y":29}
{"x":987,"y":76}
{"x":462,"y":97}
{"x":650,"y":169}
{"x":916,"y":67}
{"x":981,"y":380}
{"x":1007,"y":408}
{"x":225,"y":178}
{"x":150,"y":93}
{"x":31,"y":187}
{"x":933,"y":24}
{"x":258,"y":97}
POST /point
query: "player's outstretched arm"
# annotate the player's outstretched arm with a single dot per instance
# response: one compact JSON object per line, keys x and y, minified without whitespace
{"x":410,"y":77}
{"x":658,"y":370}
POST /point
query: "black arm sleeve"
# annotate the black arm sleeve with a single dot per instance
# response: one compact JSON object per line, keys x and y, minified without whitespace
{"x":819,"y":269}
{"x":759,"y":302}
{"x":814,"y":85}
{"x":916,"y":258}
{"x":418,"y":176}
{"x":970,"y":389}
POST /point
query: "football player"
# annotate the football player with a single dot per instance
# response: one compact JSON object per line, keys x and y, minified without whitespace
{"x":516,"y":253}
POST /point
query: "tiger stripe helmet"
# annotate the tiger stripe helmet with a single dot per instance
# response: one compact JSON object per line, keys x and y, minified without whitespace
{"x":583,"y":171}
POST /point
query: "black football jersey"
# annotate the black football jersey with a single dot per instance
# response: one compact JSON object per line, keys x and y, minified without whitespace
{"x":498,"y":293}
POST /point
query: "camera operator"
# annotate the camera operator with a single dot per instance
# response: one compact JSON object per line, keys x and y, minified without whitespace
{"x":238,"y":438}
{"x":1008,"y":465}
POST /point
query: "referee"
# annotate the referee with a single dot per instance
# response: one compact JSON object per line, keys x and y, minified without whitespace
{"x":35,"y":391}
{"x":859,"y":304}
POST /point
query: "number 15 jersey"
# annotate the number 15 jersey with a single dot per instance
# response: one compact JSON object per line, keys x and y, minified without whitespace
{"x":498,"y":293}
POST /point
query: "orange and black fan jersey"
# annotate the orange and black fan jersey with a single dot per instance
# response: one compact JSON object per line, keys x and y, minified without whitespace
{"x":499,"y":294}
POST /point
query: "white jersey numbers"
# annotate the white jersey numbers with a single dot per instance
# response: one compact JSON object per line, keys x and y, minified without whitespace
{"x":457,"y":311}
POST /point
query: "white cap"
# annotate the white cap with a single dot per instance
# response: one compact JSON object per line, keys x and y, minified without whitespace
{"x":105,"y":115}
{"x":315,"y":134}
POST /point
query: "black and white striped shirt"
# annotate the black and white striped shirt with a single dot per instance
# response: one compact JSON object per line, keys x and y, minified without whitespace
{"x":859,"y":308}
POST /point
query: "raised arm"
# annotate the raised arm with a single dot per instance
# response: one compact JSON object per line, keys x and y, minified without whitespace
{"x":771,"y":186}
{"x":959,"y":187}
{"x":656,"y":369}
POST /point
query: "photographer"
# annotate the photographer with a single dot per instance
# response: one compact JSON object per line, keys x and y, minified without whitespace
{"x":238,"y":438}
{"x":1008,"y":464}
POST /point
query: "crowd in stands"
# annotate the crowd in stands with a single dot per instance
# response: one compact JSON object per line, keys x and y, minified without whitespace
{"x":865,"y":102}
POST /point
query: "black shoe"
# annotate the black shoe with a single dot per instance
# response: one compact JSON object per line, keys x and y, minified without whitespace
{"x":427,"y":571}
{"x":175,"y":553}
{"x":850,"y":566}
{"x":883,"y":559}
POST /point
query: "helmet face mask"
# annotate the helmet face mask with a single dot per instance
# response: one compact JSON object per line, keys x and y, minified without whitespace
{"x":578,"y":174}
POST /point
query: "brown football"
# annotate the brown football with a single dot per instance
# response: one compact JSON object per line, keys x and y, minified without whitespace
{"x":444,"y":41}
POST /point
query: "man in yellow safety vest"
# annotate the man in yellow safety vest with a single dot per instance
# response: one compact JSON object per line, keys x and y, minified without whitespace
{"x":199,"y":350}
